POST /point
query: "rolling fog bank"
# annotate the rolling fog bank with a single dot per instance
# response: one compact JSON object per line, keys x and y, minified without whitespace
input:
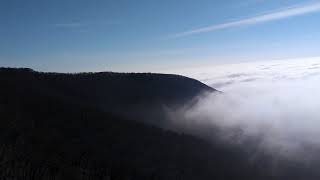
{"x":273,"y":105}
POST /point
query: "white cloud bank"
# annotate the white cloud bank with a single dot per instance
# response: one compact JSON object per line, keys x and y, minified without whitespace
{"x":276,"y":100}
{"x":277,"y":15}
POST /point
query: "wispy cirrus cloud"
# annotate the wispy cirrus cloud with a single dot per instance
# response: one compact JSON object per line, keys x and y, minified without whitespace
{"x":273,"y":16}
{"x":69,"y":25}
{"x":81,"y":24}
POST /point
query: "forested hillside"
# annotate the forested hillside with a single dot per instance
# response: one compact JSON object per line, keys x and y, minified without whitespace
{"x":142,"y":96}
{"x":60,"y":126}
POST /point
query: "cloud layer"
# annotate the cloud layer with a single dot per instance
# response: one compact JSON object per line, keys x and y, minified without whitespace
{"x":276,"y":101}
{"x":223,"y":77}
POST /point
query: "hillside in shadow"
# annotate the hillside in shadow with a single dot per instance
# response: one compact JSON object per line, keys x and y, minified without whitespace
{"x":69,"y":126}
{"x":142,"y":96}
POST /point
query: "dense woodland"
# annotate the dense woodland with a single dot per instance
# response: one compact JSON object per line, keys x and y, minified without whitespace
{"x":140,"y":96}
{"x":82,"y":126}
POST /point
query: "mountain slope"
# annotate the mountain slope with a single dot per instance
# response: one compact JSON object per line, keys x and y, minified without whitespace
{"x":61,"y":126}
{"x":45,"y":133}
{"x":142,"y":96}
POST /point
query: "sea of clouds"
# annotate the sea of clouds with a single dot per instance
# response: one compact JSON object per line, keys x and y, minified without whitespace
{"x":277,"y":101}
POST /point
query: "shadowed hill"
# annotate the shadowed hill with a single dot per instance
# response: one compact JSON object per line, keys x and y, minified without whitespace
{"x":142,"y":96}
{"x":66,"y":126}
{"x":46,"y":133}
{"x":113,"y":88}
{"x":47,"y":137}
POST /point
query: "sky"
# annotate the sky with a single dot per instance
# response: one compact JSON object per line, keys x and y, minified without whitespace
{"x":151,"y":36}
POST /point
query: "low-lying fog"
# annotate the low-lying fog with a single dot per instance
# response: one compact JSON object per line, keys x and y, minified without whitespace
{"x":276,"y":101}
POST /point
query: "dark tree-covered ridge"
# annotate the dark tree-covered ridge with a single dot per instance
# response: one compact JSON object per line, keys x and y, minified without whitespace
{"x":140,"y":96}
{"x":68,"y":126}
{"x":49,"y":131}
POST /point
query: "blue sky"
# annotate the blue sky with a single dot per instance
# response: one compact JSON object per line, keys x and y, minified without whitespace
{"x":149,"y":35}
